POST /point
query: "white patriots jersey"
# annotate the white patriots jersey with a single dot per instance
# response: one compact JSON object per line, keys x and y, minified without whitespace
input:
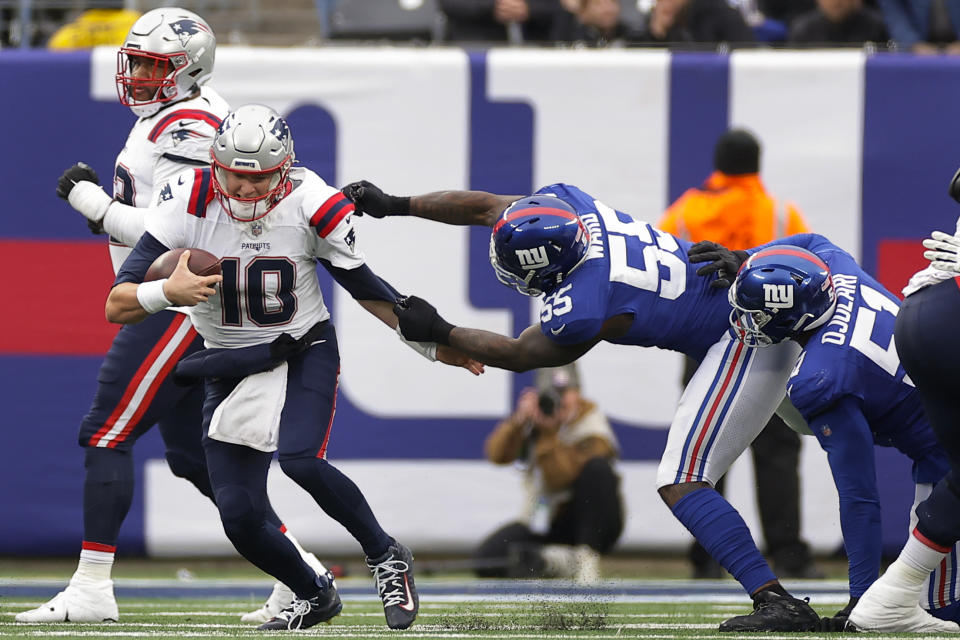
{"x":161,"y":146}
{"x":269,"y":265}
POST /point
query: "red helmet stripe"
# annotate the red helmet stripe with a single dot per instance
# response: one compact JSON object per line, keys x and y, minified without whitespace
{"x":784,"y":251}
{"x":546,"y":211}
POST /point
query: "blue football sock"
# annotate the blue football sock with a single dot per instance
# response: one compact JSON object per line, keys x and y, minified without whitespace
{"x":725,"y":536}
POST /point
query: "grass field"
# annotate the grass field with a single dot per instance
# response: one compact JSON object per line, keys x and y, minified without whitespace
{"x":203,"y":606}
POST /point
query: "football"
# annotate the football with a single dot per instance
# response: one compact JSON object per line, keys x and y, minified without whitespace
{"x":201,"y":263}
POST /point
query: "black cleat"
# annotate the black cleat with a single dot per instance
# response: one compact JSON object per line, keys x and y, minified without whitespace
{"x":393,"y":573}
{"x":775,"y":612}
{"x":303,"y":614}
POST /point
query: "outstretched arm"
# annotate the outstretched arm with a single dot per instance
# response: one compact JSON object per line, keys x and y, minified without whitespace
{"x":451,"y":207}
{"x":419,"y":320}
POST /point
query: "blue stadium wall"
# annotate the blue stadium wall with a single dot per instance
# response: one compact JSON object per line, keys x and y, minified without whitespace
{"x":864,"y":145}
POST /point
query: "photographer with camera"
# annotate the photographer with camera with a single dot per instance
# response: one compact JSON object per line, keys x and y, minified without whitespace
{"x":566,"y":448}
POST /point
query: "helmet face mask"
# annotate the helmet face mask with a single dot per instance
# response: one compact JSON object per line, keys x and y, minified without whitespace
{"x":779,"y":294}
{"x":252,"y":154}
{"x":167,"y":55}
{"x":538,"y":241}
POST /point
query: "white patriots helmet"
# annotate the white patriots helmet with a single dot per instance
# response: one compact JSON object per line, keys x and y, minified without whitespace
{"x":178,"y":48}
{"x":252,"y":140}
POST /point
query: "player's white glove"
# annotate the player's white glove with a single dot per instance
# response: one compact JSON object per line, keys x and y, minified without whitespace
{"x":427,"y":349}
{"x":944,"y":251}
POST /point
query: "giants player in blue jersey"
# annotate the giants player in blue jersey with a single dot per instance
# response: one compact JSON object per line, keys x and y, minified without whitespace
{"x":606,"y":276}
{"x":927,"y":341}
{"x":162,"y":70}
{"x":852,"y":393}
{"x":272,"y":363}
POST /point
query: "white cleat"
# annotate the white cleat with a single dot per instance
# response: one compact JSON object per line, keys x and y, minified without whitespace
{"x":893,"y":608}
{"x":91,"y":602}
{"x":280,"y":598}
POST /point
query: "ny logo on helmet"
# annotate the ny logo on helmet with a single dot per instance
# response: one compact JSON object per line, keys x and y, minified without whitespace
{"x":778,"y":296}
{"x":185,"y":28}
{"x":534,"y":258}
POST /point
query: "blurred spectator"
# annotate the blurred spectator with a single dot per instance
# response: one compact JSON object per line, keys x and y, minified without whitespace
{"x":513,"y":21}
{"x":923,"y":26}
{"x":701,"y":21}
{"x":566,"y":448}
{"x":733,"y":208}
{"x":95,"y":27}
{"x":838,"y":22}
{"x":785,"y":10}
{"x":594,"y":22}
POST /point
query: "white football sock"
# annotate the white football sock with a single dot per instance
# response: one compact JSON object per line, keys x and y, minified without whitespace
{"x":94,"y":566}
{"x":922,"y":554}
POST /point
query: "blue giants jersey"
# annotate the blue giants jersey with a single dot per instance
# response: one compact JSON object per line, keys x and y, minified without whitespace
{"x":633,"y":268}
{"x":853,"y":355}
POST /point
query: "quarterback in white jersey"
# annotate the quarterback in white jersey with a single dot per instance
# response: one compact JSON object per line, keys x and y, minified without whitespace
{"x":162,"y":69}
{"x":272,"y":363}
{"x":269,"y":282}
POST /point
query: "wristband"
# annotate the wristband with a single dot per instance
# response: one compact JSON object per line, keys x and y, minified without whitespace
{"x":427,"y":349}
{"x":151,"y":297}
{"x":90,"y":200}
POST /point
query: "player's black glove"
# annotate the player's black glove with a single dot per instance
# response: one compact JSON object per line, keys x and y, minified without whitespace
{"x":839,"y":620}
{"x":285,"y":346}
{"x":954,"y":189}
{"x":420,"y":322}
{"x":723,"y":262}
{"x":77,"y":173}
{"x":371,"y":200}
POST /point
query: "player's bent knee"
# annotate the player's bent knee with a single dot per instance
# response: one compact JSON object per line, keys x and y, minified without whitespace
{"x":104,"y":465}
{"x":672,"y":493}
{"x":303,"y":469}
{"x":938,"y":517}
{"x":238,"y":510}
{"x":186,"y":467}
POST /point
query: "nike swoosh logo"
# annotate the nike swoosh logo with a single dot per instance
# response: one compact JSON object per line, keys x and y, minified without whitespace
{"x":557,"y":331}
{"x":317,"y":342}
{"x":409,"y":604}
{"x":180,"y":180}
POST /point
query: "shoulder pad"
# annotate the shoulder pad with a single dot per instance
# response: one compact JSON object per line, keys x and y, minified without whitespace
{"x":186,"y":123}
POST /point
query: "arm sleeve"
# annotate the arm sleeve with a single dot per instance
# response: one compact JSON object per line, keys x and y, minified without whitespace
{"x":125,"y":223}
{"x":362,"y":283}
{"x":844,"y":434}
{"x":134,"y":268}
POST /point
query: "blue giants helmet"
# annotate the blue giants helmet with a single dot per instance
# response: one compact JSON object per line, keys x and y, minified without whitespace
{"x":536,"y":243}
{"x":779,"y":293}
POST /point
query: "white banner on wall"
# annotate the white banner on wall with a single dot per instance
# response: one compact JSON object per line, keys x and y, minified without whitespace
{"x":451,"y":505}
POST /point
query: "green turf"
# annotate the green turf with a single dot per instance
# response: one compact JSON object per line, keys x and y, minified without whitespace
{"x":518,"y":620}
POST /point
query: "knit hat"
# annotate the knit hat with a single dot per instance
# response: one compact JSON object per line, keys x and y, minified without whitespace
{"x":558,"y":378}
{"x":737,"y":152}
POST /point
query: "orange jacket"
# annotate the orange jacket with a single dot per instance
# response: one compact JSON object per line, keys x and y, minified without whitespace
{"x":735,"y":211}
